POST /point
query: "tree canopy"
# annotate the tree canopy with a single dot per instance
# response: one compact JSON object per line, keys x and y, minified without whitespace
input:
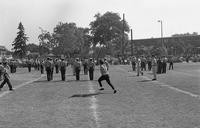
{"x":19,"y":44}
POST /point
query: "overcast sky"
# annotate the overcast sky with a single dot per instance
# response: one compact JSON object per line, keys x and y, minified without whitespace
{"x":178,"y":16}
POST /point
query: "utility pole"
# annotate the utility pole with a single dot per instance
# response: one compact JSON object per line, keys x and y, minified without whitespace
{"x":122,"y":43}
{"x":131,"y":42}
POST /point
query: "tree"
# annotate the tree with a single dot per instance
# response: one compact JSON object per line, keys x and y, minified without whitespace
{"x":107,"y":30}
{"x":71,"y":40}
{"x":19,"y":44}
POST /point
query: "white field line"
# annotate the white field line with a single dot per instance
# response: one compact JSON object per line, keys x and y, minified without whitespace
{"x":168,"y":86}
{"x":94,"y":105}
{"x":21,"y":85}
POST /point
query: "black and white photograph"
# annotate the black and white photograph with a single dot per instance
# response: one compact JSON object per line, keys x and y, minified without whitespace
{"x":99,"y":64}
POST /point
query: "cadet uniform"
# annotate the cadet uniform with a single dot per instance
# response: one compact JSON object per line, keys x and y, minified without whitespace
{"x":77,"y":67}
{"x":52,"y":68}
{"x":57,"y":65}
{"x":48,"y":69}
{"x":154,"y":67}
{"x":63,"y":66}
{"x":91,"y":66}
{"x":42,"y":67}
{"x":133,"y":63}
{"x":138,"y":67}
{"x":29,"y":65}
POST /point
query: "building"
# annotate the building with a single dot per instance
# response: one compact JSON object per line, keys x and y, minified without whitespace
{"x":3,"y":51}
{"x":181,"y":45}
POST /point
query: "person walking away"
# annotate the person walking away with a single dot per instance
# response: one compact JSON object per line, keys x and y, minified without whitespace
{"x":63,"y":66}
{"x":52,"y":68}
{"x":42,"y":66}
{"x":4,"y":68}
{"x":154,"y":67}
{"x":48,"y":69}
{"x":104,"y":76}
{"x":164,"y":66}
{"x":159,"y":65}
{"x":138,"y":62}
{"x":91,"y":66}
{"x":77,"y":66}
{"x":57,"y":65}
{"x":133,"y":63}
{"x":85,"y":66}
{"x":29,"y":65}
{"x":171,"y":63}
{"x":149,"y":63}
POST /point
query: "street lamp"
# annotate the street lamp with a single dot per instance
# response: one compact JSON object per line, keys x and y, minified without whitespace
{"x":161,"y":31}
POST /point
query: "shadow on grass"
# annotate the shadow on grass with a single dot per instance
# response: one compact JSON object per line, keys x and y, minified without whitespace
{"x":88,"y":95}
{"x":144,"y":81}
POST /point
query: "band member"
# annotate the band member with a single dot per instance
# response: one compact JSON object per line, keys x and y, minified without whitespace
{"x":77,"y":67}
{"x":154,"y":67}
{"x":48,"y":68}
{"x":104,"y":76}
{"x":91,"y":66}
{"x":63,"y":66}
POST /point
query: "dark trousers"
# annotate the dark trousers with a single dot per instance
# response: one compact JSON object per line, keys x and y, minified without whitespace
{"x":29,"y":68}
{"x":57,"y":69}
{"x":77,"y":71}
{"x":62,"y":74}
{"x":91,"y":74}
{"x":133,"y":67}
{"x":164,"y":68}
{"x":105,"y":77}
{"x":42,"y":69}
{"x":171,"y":66}
{"x":6,"y":80}
{"x":48,"y":70}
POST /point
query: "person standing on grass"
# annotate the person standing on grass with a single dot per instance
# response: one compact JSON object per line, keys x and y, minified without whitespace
{"x":154,"y":67}
{"x":104,"y":76}
{"x":4,"y":68}
{"x":91,"y":66}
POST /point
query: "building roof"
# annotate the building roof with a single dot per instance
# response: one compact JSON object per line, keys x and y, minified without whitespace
{"x":3,"y":48}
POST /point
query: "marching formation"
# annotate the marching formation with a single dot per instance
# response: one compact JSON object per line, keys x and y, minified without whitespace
{"x":49,"y":64}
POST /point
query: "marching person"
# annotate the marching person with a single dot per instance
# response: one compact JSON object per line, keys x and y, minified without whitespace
{"x":57,"y":65}
{"x":29,"y":65}
{"x":138,"y":62}
{"x":154,"y":67}
{"x":171,"y":63}
{"x":4,"y":68}
{"x":77,"y":67}
{"x":104,"y":76}
{"x":48,"y":68}
{"x":91,"y":66}
{"x":52,"y":68}
{"x":63,"y":66}
{"x":42,"y":66}
{"x":133,"y":63}
{"x":85,"y":66}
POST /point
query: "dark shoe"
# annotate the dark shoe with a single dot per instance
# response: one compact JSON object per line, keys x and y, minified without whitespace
{"x":11,"y":89}
{"x":101,"y":89}
{"x":153,"y":79}
{"x":115,"y":91}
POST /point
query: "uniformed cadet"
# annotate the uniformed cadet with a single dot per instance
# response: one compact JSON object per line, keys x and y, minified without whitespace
{"x":11,"y":64}
{"x":29,"y":65}
{"x":48,"y":68}
{"x":52,"y":68}
{"x":171,"y":63}
{"x":57,"y":65}
{"x":91,"y":66}
{"x":77,"y":67}
{"x":42,"y":66}
{"x":5,"y":76}
{"x":164,"y":64}
{"x":159,"y":66}
{"x":63,"y":66}
{"x":85,"y":66}
{"x":138,"y":62}
{"x":154,"y":67}
{"x":133,"y":63}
